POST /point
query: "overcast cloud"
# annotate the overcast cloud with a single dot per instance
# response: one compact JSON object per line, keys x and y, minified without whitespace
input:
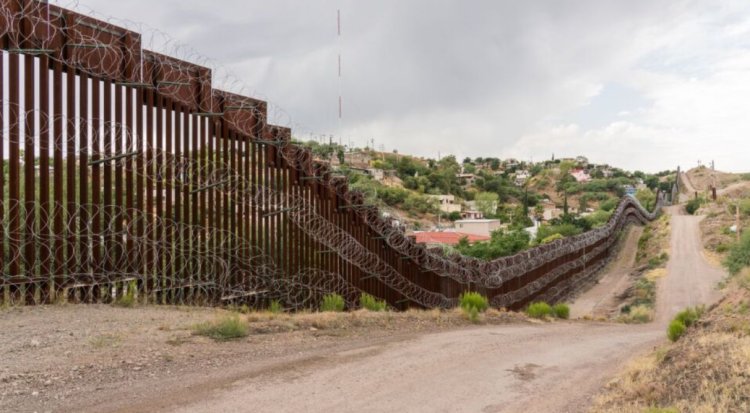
{"x":639,"y":84}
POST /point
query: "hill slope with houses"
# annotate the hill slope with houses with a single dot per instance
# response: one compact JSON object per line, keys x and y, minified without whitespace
{"x":490,"y":207}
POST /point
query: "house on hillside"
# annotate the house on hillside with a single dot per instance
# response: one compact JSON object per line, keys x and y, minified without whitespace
{"x":472,"y":214}
{"x":551,"y":212}
{"x":582,"y":161}
{"x":466,"y":179}
{"x":358,"y":159}
{"x":447,"y":203}
{"x":482,"y":227}
{"x":580,"y":175}
{"x":521,"y":177}
{"x":376,"y":174}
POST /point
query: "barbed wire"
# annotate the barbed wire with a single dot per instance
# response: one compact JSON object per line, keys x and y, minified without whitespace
{"x":135,"y":244}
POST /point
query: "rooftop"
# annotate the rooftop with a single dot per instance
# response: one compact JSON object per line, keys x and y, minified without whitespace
{"x":448,"y":238}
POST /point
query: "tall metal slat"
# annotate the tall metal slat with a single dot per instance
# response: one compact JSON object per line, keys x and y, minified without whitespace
{"x":177,"y":203}
{"x":45,"y":256}
{"x":96,"y":188}
{"x":109,"y":221}
{"x":148,"y":174}
{"x":30,"y":202}
{"x":167,"y":213}
{"x":194,"y":180}
{"x":5,"y":293}
{"x":58,"y":206}
{"x":71,"y":130}
{"x":84,"y":252}
{"x":158,"y":160}
{"x":138,"y":136}
{"x":187,"y":133}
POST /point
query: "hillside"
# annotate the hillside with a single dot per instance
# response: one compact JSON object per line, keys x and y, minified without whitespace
{"x":705,"y":369}
{"x":550,"y":199}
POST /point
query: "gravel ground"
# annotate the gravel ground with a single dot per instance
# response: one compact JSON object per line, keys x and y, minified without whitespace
{"x":72,"y":357}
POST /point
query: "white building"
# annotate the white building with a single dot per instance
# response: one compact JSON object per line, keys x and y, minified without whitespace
{"x":466,"y":179}
{"x":472,"y":214}
{"x":522,"y":177}
{"x":447,"y":203}
{"x":477,"y":226}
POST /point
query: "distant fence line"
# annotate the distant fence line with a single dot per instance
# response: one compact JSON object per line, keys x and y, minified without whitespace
{"x":124,"y":168}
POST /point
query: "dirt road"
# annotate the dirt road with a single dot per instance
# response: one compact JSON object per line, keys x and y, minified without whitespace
{"x":547,"y":367}
{"x":554,"y":367}
{"x":601,"y":298}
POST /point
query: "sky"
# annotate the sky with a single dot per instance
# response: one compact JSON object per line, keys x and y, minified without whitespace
{"x":638,"y":84}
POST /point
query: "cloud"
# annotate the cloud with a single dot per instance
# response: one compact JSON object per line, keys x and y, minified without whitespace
{"x":486,"y":78}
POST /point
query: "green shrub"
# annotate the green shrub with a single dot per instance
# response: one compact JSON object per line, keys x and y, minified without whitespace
{"x":371,"y":303}
{"x":473,"y":315}
{"x":553,"y":237}
{"x":332,"y":302}
{"x":561,"y":311}
{"x":637,"y":314}
{"x":658,"y":261}
{"x":539,"y":310}
{"x":128,"y":299}
{"x":675,"y":330}
{"x":609,"y":205}
{"x":471,"y":300}
{"x":693,"y":205}
{"x":275,"y":307}
{"x":689,"y":315}
{"x":739,"y":255}
{"x":227,"y":328}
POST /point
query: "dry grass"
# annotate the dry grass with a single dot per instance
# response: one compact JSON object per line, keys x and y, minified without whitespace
{"x":707,"y":370}
{"x":654,"y":241}
{"x":267,"y":322}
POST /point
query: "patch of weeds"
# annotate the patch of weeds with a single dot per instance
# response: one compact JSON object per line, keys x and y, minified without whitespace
{"x":690,"y":315}
{"x":661,"y":410}
{"x":128,"y":299}
{"x":227,"y":328}
{"x":275,"y":307}
{"x":332,"y":302}
{"x":539,"y":309}
{"x":658,"y":261}
{"x":723,"y":247}
{"x":694,"y":205}
{"x":473,"y":314}
{"x":371,"y":303}
{"x":675,"y":330}
{"x":561,"y":310}
{"x":682,"y":321}
{"x":473,"y":303}
{"x":743,"y":308}
{"x":105,"y":340}
{"x":470,"y":299}
{"x":739,"y":255}
{"x":637,"y":314}
{"x":644,"y":292}
{"x":177,"y":341}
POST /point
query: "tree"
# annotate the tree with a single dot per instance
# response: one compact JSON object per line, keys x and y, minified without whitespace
{"x":501,"y":244}
{"x":487,"y":203}
{"x":646,"y":197}
{"x":495,"y":164}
